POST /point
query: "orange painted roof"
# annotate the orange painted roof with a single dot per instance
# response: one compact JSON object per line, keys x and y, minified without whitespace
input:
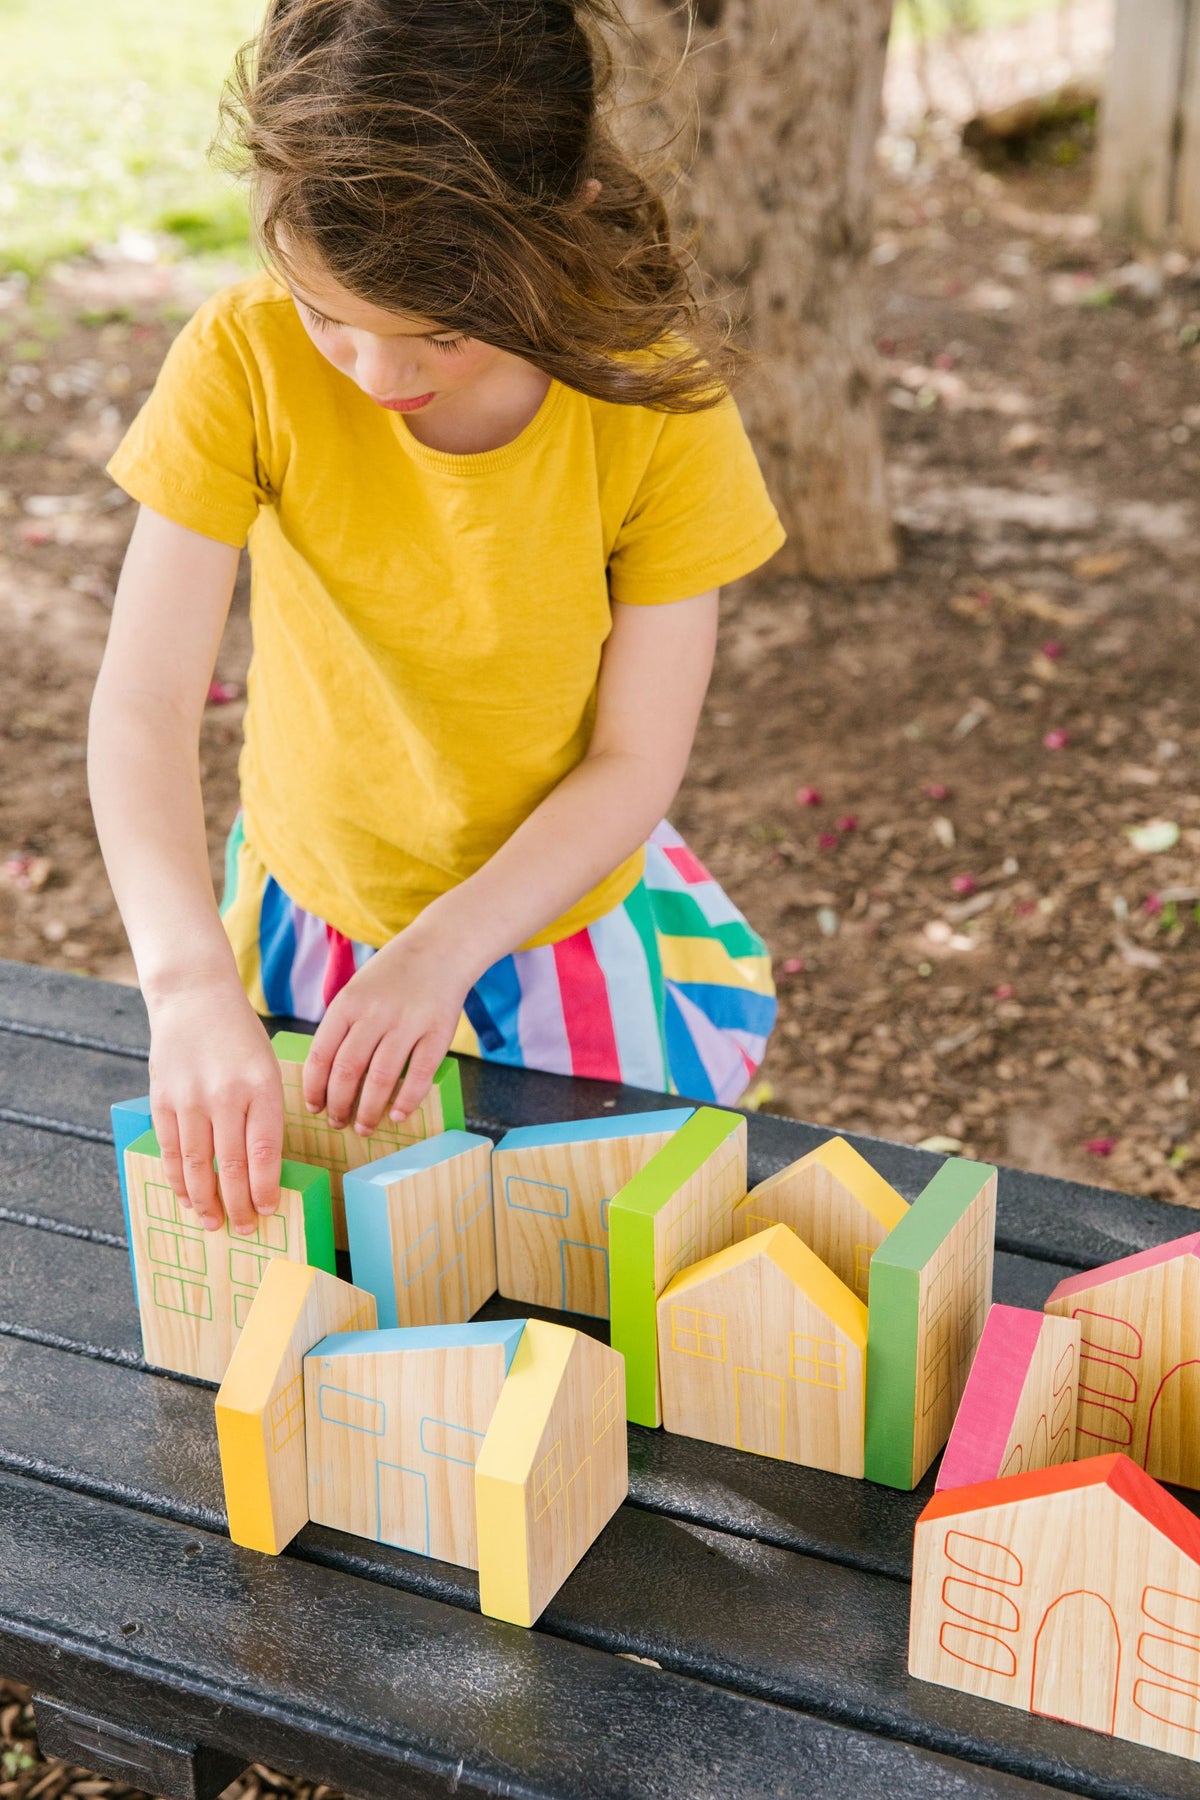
{"x":1118,"y":1472}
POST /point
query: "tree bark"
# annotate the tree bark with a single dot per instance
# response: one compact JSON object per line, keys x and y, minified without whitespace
{"x":780,"y":102}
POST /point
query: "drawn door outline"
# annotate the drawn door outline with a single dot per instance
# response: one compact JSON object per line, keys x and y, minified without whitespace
{"x":1097,"y":1708}
{"x":755,"y":1424}
{"x":1189,"y":1463}
{"x":580,"y":1275}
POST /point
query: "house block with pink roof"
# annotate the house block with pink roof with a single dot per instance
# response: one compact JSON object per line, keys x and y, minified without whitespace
{"x":1139,"y":1374}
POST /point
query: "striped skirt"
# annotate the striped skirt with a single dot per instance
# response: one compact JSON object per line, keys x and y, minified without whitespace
{"x":671,"y":990}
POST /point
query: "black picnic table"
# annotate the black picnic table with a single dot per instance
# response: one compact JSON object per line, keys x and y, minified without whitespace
{"x":768,"y":1604}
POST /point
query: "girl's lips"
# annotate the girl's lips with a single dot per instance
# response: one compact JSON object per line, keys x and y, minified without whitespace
{"x":407,"y":405}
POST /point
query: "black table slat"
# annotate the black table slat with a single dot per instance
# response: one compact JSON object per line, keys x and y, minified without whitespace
{"x":385,"y":1693}
{"x":696,"y":1601}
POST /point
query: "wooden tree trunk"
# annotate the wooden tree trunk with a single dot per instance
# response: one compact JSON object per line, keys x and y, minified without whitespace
{"x":1148,"y":181}
{"x":780,"y":102}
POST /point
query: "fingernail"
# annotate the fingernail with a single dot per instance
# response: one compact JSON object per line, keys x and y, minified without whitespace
{"x":362,"y":1130}
{"x":246,"y":1230}
{"x":311,"y":1107}
{"x":264,"y":1208}
{"x":396,"y":1114}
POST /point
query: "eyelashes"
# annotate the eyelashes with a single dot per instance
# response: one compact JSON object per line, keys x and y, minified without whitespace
{"x":449,"y":344}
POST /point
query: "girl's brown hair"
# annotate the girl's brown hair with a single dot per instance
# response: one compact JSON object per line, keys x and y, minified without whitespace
{"x":433,"y":157}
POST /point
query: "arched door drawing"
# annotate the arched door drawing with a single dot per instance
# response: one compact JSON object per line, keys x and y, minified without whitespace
{"x":1173,"y":1432}
{"x":1077,"y":1661}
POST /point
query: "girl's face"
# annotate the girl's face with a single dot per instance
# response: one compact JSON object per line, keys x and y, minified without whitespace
{"x":401,"y":361}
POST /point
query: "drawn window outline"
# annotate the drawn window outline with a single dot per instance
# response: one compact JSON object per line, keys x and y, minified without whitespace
{"x":409,"y":1270}
{"x":1083,"y":1313}
{"x":267,"y":1234}
{"x":693,"y":1330}
{"x":523,"y":1183}
{"x":462,"y":1225}
{"x":817,"y":1360}
{"x":287,"y":1413}
{"x":957,"y":1582}
{"x":862,"y":1268}
{"x":547,"y":1480}
{"x":1148,"y":1638}
{"x":191,"y":1298}
{"x":1006,"y":1668}
{"x":168,"y":1249}
{"x":1142,"y":1689}
{"x":1185,"y":1600}
{"x":606,"y":1405}
{"x":1005,"y":1558}
{"x":1090,"y":1368}
{"x":247,"y":1267}
{"x":373,"y":1409}
{"x":449,"y":1426}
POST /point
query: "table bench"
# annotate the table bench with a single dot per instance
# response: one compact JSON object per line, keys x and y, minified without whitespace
{"x":774,"y":1599}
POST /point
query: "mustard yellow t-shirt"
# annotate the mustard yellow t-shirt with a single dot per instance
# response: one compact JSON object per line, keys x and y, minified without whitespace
{"x":427,"y":626}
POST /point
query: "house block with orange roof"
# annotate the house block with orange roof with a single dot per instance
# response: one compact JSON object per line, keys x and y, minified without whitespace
{"x":1072,"y":1592}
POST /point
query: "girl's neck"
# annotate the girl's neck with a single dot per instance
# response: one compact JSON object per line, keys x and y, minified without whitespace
{"x":485,"y":417}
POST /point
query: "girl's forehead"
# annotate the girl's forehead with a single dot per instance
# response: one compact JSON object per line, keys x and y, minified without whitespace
{"x":343,"y":308}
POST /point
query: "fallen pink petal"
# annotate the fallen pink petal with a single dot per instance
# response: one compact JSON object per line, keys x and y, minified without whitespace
{"x":220,"y":693}
{"x":828,"y":840}
{"x":936,"y":790}
{"x":963,"y":884}
{"x":1005,"y":991}
{"x":1153,"y":904}
{"x":1058,"y":739}
{"x":808,"y":796}
{"x":1100,"y":1146}
{"x":847,"y":823}
{"x":794,"y":965}
{"x":1052,"y":651}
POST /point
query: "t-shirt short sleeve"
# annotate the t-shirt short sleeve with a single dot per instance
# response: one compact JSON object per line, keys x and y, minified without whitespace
{"x":701,"y":515}
{"x":193,"y":451}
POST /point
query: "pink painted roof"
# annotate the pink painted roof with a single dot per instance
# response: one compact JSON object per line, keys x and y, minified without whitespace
{"x":990,"y":1399}
{"x":1139,"y":1490}
{"x":1128,"y":1265}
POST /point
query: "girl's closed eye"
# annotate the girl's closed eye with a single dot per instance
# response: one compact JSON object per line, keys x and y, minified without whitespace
{"x":457,"y":343}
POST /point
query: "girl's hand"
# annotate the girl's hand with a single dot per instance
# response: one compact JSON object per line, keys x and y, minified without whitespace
{"x":401,"y":1008}
{"x":216,"y":1089}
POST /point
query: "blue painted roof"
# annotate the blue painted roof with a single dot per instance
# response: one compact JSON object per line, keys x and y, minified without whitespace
{"x":506,"y":1332}
{"x":583,"y":1131}
{"x":414,"y":1157}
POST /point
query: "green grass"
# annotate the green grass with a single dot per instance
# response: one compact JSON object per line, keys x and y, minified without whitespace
{"x":931,"y":18}
{"x":107,"y":108}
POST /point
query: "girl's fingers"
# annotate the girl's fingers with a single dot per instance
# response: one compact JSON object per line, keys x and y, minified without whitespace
{"x":327,"y":1040}
{"x":229,"y":1137}
{"x":423,"y":1065}
{"x":264,"y":1150}
{"x":347,"y":1069}
{"x":196,"y":1154}
{"x":166,"y":1130}
{"x":387,"y":1066}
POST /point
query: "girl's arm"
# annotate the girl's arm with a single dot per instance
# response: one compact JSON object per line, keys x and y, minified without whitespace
{"x":215,"y":1087}
{"x":402,"y":1006}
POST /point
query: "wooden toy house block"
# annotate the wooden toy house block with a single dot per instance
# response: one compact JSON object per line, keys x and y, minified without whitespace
{"x":763,"y":1348}
{"x":1017,"y":1413}
{"x":310,"y":1138}
{"x":260,"y":1403}
{"x":553,"y":1468}
{"x":130,"y":1118}
{"x":394,"y":1423}
{"x":835,"y":1201}
{"x":1139,"y":1376}
{"x":931,"y":1283}
{"x":677,"y":1209}
{"x":195,"y":1287}
{"x":553,"y":1185}
{"x":421,"y":1230}
{"x":1071,"y":1592}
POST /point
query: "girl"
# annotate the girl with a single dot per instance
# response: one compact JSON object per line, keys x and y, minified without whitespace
{"x":475,"y":431}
